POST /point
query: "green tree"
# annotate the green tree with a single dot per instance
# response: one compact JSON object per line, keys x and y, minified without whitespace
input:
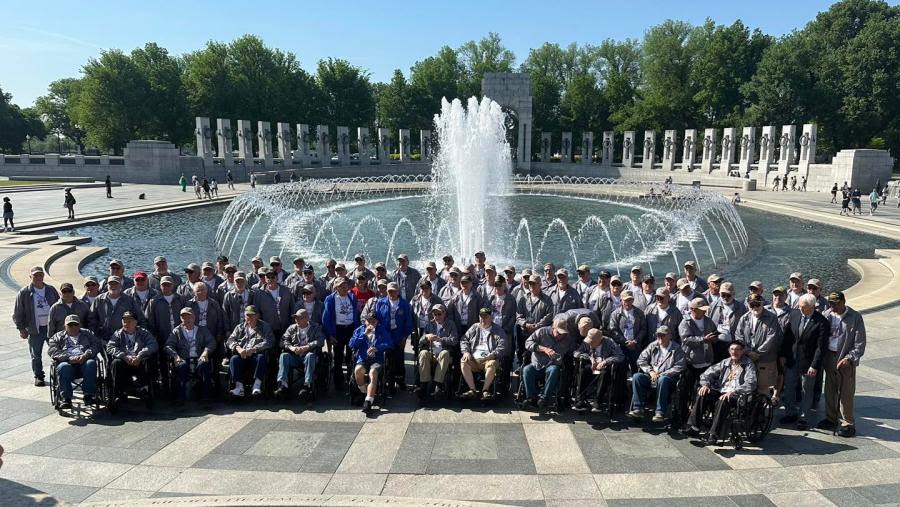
{"x":12,"y":125}
{"x":431,"y":80}
{"x":55,"y":109}
{"x":479,"y":57}
{"x":346,"y":93}
{"x":393,"y":104}
{"x":164,"y":112}
{"x":618,"y":64}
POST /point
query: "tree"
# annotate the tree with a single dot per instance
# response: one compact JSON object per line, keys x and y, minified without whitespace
{"x":393,"y":103}
{"x":487,"y":55}
{"x":55,"y":108}
{"x":618,"y":64}
{"x":12,"y":125}
{"x":346,"y":93}
{"x":431,"y":80}
{"x":165,"y":113}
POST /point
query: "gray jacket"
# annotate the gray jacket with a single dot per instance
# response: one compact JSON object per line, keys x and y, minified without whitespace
{"x":696,"y":351}
{"x":605,"y":307}
{"x":608,"y":350}
{"x":127,"y":283}
{"x":716,"y":376}
{"x":543,"y":337}
{"x":233,"y":305}
{"x":294,"y":338}
{"x":573,"y":316}
{"x":56,"y":322}
{"x":154,"y":279}
{"x":569,"y":300}
{"x":420,"y":304}
{"x":261,"y":341}
{"x":670,"y":364}
{"x":672,"y":319}
{"x":717,"y":312}
{"x":23,"y":310}
{"x":276,"y":313}
{"x":534,"y":311}
{"x":507,"y":311}
{"x":105,"y":318}
{"x":410,"y":284}
{"x":764,"y":339}
{"x":178,"y":346}
{"x":496,"y":340}
{"x":144,"y":345}
{"x":318,"y":307}
{"x":617,"y":323}
{"x":455,"y":309}
{"x":186,"y":290}
{"x":163,"y":317}
{"x":449,"y":334}
{"x":57,"y":345}
{"x":142,"y":303}
{"x":215,"y":318}
{"x":853,"y":343}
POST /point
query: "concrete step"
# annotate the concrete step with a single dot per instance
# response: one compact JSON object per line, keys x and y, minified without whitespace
{"x":67,"y":267}
{"x":880,"y":282}
{"x":44,"y":256}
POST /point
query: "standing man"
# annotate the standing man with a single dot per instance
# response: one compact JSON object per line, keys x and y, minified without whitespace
{"x":31,"y":315}
{"x":806,"y":337}
{"x":161,"y":270}
{"x":846,"y":346}
{"x":795,"y":289}
{"x":534,"y":310}
{"x":276,"y":304}
{"x":116,"y":268}
{"x":107,"y":311}
{"x":564,"y":297}
{"x":585,"y":284}
{"x":406,"y":278}
{"x":464,"y":306}
{"x":69,"y":203}
{"x":759,"y":330}
{"x":339,"y":319}
{"x":697,"y":283}
{"x":108,"y":187}
{"x":67,"y":305}
{"x":628,"y":328}
{"x":141,"y":292}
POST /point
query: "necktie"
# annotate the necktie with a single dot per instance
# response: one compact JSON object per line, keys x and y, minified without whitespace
{"x":803,"y":322}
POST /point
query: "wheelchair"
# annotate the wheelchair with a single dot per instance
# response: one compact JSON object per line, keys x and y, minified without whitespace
{"x":563,"y":390}
{"x":356,"y":398}
{"x":674,"y":418}
{"x":101,"y":397}
{"x":479,"y":378}
{"x":615,"y":393}
{"x":148,"y":368}
{"x":750,"y":421}
{"x":249,"y":378}
{"x":320,"y":377}
{"x":193,"y":380}
{"x":452,"y":374}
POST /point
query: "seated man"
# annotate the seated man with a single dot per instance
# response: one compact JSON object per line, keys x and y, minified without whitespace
{"x":301,"y":342}
{"x":482,"y":347}
{"x":721,"y":385}
{"x":369,"y":343}
{"x":661,"y":363}
{"x":603,"y":361}
{"x":439,"y":338}
{"x":128,"y":349}
{"x":249,"y":342}
{"x":548,"y":346}
{"x":189,"y":342}
{"x":74,"y":350}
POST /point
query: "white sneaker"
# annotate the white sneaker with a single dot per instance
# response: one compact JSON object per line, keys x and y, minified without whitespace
{"x":257,"y":388}
{"x":238,"y":389}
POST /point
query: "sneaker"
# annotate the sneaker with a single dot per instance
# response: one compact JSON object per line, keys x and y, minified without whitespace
{"x":789,"y":419}
{"x":238,"y":391}
{"x":582,"y":405}
{"x":658,"y":417}
{"x":305,"y":390}
{"x":225,"y":363}
{"x":39,"y":382}
{"x":826,"y":424}
{"x":67,"y":405}
{"x":847,"y":431}
{"x":469,"y":395}
{"x":802,"y":425}
{"x":487,"y":395}
{"x":257,"y":388}
{"x":88,"y":399}
{"x":367,"y":407}
{"x":636,"y":414}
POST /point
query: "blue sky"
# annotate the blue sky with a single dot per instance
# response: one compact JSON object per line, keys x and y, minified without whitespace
{"x":50,"y":39}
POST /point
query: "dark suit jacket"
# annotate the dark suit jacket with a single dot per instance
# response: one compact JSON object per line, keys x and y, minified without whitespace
{"x":812,"y":344}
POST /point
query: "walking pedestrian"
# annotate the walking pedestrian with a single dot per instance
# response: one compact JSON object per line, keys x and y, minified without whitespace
{"x":196,"y":182}
{"x":784,"y":183}
{"x":205,"y":187}
{"x":803,"y":184}
{"x":252,"y":180}
{"x":229,"y":178}
{"x":69,"y":203}
{"x":856,"y":197}
{"x":8,"y":225}
{"x":214,"y":188}
{"x":794,"y":183}
{"x":845,"y":203}
{"x":183,"y":182}
{"x":873,"y":201}
{"x":108,"y":187}
{"x":777,"y":184}
{"x":834,"y":191}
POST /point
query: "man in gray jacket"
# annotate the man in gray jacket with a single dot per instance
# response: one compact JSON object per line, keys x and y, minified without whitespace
{"x":760,"y":331}
{"x":129,"y":349}
{"x":661,"y":363}
{"x":483,"y":347}
{"x":67,"y":305}
{"x":662,"y":312}
{"x":235,"y":300}
{"x":563,"y":296}
{"x":725,"y":312}
{"x":440,"y":338}
{"x":601,"y":360}
{"x":846,"y":346}
{"x":107,"y":311}
{"x":628,"y":328}
{"x":464,"y":306}
{"x":534,"y":311}
{"x":301,"y":343}
{"x":548,"y":346}
{"x":75,"y":353}
{"x":31,"y":314}
{"x":275,"y":303}
{"x":721,"y":386}
{"x":162,"y":317}
{"x":406,"y":277}
{"x":249,"y":344}
{"x":698,"y":338}
{"x":189,"y":344}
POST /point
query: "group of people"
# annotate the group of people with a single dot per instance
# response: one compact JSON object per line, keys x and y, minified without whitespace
{"x":879,"y":194}
{"x":781,"y":183}
{"x":203,"y":188}
{"x":570,"y":340}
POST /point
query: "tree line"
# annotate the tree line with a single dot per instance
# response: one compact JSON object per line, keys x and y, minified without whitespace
{"x":841,"y":71}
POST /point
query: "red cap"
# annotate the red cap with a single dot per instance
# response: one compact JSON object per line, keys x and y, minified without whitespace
{"x":138,"y":275}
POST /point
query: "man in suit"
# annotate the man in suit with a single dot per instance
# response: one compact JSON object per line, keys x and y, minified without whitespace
{"x":805,"y":342}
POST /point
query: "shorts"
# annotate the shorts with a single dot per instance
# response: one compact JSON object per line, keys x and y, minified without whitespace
{"x":370,"y":366}
{"x":479,"y":365}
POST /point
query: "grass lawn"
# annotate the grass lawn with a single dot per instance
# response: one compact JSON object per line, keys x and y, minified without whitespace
{"x":20,"y":183}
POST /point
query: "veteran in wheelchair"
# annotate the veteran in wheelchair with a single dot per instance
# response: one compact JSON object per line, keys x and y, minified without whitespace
{"x":482,"y":347}
{"x":370,"y":344}
{"x":190,"y":348}
{"x":660,"y":365}
{"x":131,"y":350}
{"x":549,"y":347}
{"x":76,"y":353}
{"x":601,"y":369}
{"x":437,"y":350}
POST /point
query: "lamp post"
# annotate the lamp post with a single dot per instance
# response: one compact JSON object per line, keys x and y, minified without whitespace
{"x":28,"y":138}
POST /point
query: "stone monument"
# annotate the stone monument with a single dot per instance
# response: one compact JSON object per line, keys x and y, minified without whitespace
{"x":323,"y":145}
{"x":223,"y":132}
{"x":565,"y":151}
{"x":628,"y":149}
{"x":264,"y":133}
{"x":709,"y":150}
{"x":689,"y":151}
{"x":384,"y":145}
{"x":425,"y":144}
{"x":748,"y":148}
{"x":807,"y":148}
{"x":649,"y":150}
{"x":245,"y":142}
{"x":405,"y":151}
{"x":669,"y":147}
{"x":587,"y":147}
{"x":204,"y":140}
{"x":607,"y":149}
{"x":302,"y":154}
{"x":728,"y":145}
{"x":343,"y":146}
{"x":363,"y":145}
{"x":766,"y":154}
{"x":545,"y":146}
{"x":284,"y":142}
{"x":786,"y":146}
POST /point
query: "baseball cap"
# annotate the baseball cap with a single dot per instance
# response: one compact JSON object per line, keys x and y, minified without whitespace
{"x":562,"y":271}
{"x":91,"y":279}
{"x":534,"y":279}
{"x":403,"y":257}
{"x":158,"y":259}
{"x":66,"y":287}
{"x":485,"y":311}
{"x":815,"y":282}
{"x":114,"y":279}
{"x":662,"y":291}
{"x":274,"y":260}
{"x":754,"y":298}
{"x":714,"y":278}
{"x":359,"y":257}
{"x":116,"y":262}
{"x":727,"y":288}
{"x":308,"y":288}
{"x":779,"y":290}
{"x":692,"y":264}
{"x":250,"y":310}
{"x":431,"y":264}
{"x":37,"y":269}
{"x":166,"y":279}
{"x":796,"y":275}
{"x":72,"y":319}
{"x":671,"y":276}
{"x":635,"y":268}
{"x":662,"y":330}
{"x":615,"y":279}
{"x":381,"y":283}
{"x":604,"y":274}
{"x":128,"y":316}
{"x":438,"y":308}
{"x":584,"y":268}
{"x":208,"y":265}
{"x":257,"y":259}
{"x":835,"y":297}
{"x":699,"y":304}
{"x":240,"y":275}
{"x":756,"y":284}
{"x":192,"y":268}
{"x":186,"y":311}
{"x":301,"y":313}
{"x":297,"y":260}
{"x":140,"y":275}
{"x":682,"y":283}
{"x":393,"y":286}
{"x":627,"y":294}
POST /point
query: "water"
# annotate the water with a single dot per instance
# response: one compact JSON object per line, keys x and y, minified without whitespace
{"x":778,"y":246}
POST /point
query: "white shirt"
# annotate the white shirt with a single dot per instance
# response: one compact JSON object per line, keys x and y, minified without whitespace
{"x":343,"y":309}
{"x":837,"y":331}
{"x":629,"y":324}
{"x":482,"y":350}
{"x":662,"y":313}
{"x":395,"y":305}
{"x":191,"y":337}
{"x":41,"y":307}
{"x":142,"y":295}
{"x":204,"y":309}
{"x":464,"y":306}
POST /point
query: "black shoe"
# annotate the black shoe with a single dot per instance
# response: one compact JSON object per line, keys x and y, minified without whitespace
{"x":847,"y":431}
{"x":367,"y":407}
{"x":305,"y":390}
{"x":67,"y":405}
{"x":826,"y":424}
{"x":802,"y":425}
{"x":281,"y":392}
{"x":691,"y":432}
{"x":88,"y":399}
{"x":438,"y":390}
{"x":39,"y":382}
{"x":789,"y":419}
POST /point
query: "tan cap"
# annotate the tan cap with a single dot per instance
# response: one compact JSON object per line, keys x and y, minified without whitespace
{"x":662,"y":291}
{"x":562,"y":271}
{"x":186,"y":311}
{"x":756,"y":284}
{"x":815,"y":282}
{"x":636,"y":267}
{"x":699,"y":304}
{"x":72,"y":319}
{"x":682,"y":283}
{"x":671,"y":276}
{"x":727,"y":288}
{"x":796,"y":275}
{"x":626,"y":295}
{"x":692,"y":264}
{"x":714,"y":278}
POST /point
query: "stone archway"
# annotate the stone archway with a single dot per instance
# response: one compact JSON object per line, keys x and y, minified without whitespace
{"x":513,"y":90}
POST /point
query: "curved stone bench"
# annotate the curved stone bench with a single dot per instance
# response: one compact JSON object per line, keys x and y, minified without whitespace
{"x":43,"y":256}
{"x":67,"y":267}
{"x":879,"y":285}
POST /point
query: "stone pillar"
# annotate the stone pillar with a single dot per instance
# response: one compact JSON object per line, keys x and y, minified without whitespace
{"x":709,"y":150}
{"x":302,"y":153}
{"x":565,"y":149}
{"x":425,"y":145}
{"x":245,"y":142}
{"x":405,"y":155}
{"x":545,"y":146}
{"x":523,"y":150}
{"x":608,"y":147}
{"x":323,"y":145}
{"x":748,"y":149}
{"x":284,"y":142}
{"x":766,"y":154}
{"x":384,"y":145}
{"x":689,"y":153}
{"x":728,"y":144}
{"x":587,"y":148}
{"x":807,"y":148}
{"x":669,"y":147}
{"x":264,"y":133}
{"x":649,"y":149}
{"x":628,"y":149}
{"x":203,"y":135}
{"x":343,"y":145}
{"x":223,"y":131}
{"x":363,"y":143}
{"x":786,"y":142}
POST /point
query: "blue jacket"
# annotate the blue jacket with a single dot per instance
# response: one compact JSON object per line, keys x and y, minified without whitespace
{"x":403,"y":319}
{"x":329,"y":316}
{"x":360,"y":345}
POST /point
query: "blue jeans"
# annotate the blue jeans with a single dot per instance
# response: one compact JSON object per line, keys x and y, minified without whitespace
{"x":67,"y":372}
{"x":287,"y":362}
{"x":550,"y":374}
{"x":257,"y":361}
{"x":641,"y":386}
{"x":183,"y":372}
{"x":36,"y":348}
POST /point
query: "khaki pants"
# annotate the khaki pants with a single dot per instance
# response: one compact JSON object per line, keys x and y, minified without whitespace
{"x":427,"y":359}
{"x":479,"y":365}
{"x":840,"y":387}
{"x":766,"y":376}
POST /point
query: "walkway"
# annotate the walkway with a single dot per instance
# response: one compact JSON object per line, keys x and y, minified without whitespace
{"x":457,"y":453}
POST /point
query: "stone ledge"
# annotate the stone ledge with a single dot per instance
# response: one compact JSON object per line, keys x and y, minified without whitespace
{"x":294,"y":500}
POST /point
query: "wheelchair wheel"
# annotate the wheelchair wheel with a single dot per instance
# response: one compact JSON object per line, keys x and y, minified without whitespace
{"x":104,"y":379}
{"x":760,"y":417}
{"x":54,"y":388}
